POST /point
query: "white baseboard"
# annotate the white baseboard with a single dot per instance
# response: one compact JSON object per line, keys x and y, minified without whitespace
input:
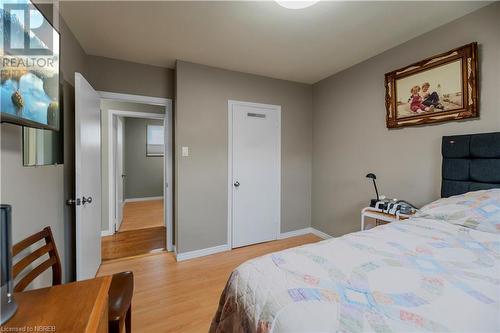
{"x":304,"y":231}
{"x":201,"y":253}
{"x":106,"y":233}
{"x":294,"y":233}
{"x":320,"y":233}
{"x":143,"y":199}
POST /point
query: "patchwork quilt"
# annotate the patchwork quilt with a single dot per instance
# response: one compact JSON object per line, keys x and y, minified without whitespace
{"x":478,"y":210}
{"x":412,"y":276}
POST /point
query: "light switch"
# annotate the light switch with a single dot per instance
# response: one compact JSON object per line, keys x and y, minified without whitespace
{"x":185,"y":151}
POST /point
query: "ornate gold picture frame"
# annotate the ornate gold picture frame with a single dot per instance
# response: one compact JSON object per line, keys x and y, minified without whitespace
{"x":437,"y":89}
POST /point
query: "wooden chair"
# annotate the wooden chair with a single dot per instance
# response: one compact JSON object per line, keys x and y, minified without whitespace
{"x":120,"y":292}
{"x":53,"y":260}
{"x":120,"y":302}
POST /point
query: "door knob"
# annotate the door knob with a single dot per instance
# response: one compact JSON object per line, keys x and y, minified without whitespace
{"x":237,"y":184}
{"x":86,"y":200}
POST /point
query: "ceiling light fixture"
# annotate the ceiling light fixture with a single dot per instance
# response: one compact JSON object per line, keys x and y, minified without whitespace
{"x":296,"y":4}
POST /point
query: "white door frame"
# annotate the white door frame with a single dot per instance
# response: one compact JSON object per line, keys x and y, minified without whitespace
{"x":230,"y":104}
{"x":119,"y":123}
{"x":168,"y":161}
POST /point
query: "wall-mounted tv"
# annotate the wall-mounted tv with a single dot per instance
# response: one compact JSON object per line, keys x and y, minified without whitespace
{"x":30,"y":67}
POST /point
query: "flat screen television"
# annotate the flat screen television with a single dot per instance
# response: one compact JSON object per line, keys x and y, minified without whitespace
{"x":30,"y":94}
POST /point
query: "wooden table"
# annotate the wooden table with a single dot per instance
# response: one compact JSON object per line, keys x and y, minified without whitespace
{"x":69,"y":308}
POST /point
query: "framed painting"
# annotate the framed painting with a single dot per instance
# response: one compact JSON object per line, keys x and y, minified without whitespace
{"x":437,"y":89}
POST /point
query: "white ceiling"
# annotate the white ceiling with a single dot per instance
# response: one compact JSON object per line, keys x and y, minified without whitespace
{"x":262,"y":38}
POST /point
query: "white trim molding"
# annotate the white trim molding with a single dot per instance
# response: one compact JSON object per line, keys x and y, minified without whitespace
{"x":223,"y":248}
{"x":134,"y":98}
{"x":143,"y":199}
{"x":168,"y":162}
{"x":305,"y":231}
{"x":202,"y":252}
{"x":320,"y":234}
{"x":106,"y":233}
{"x":295,"y":233}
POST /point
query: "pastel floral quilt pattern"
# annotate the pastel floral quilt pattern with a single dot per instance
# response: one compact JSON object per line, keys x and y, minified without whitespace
{"x":413,"y":276}
{"x":478,"y":210}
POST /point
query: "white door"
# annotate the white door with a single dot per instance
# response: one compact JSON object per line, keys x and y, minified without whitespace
{"x":88,"y":178}
{"x":119,"y":173}
{"x":255,"y":160}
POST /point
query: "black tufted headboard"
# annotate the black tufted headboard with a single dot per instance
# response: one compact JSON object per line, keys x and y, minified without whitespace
{"x":470,"y":163}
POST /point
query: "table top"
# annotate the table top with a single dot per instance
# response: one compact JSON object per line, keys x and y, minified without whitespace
{"x":73,"y":307}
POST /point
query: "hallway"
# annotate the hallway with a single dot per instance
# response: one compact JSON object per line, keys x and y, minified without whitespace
{"x":142,"y":231}
{"x":142,"y":215}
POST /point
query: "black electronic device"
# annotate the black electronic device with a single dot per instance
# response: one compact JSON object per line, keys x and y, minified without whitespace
{"x":8,"y":305}
{"x":395,"y":206}
{"x":389,"y":206}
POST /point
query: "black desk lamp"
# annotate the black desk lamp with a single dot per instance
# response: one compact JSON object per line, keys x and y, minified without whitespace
{"x":372,"y":176}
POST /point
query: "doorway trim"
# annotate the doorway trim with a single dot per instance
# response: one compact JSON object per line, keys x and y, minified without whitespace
{"x":168,"y":161}
{"x":230,"y":104}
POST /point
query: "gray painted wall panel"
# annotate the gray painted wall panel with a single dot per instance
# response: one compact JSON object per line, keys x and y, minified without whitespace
{"x":37,"y":194}
{"x":350,"y":136}
{"x":201,"y":124}
{"x":125,"y":77}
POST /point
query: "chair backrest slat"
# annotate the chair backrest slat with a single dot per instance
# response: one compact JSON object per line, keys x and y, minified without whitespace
{"x":23,"y":263}
{"x":27,"y":242}
{"x":26,"y":280}
{"x":53,"y":260}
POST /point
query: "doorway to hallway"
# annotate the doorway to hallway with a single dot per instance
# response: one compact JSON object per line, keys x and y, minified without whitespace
{"x":137,"y":208}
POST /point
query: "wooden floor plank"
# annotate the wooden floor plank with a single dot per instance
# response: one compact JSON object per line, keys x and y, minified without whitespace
{"x":133,"y":242}
{"x":173,"y":297}
{"x":142,"y":214}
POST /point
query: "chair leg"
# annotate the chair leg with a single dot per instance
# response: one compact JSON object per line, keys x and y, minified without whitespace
{"x":128,"y":320}
{"x":114,"y":326}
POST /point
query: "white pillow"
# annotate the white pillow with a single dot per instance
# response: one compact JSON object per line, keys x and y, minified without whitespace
{"x":478,"y":210}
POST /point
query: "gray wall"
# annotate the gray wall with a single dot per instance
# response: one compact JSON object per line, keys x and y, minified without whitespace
{"x":144,"y":173}
{"x":107,"y":105}
{"x":202,"y":94}
{"x":130,"y":78}
{"x":350,"y":137}
{"x":37,"y":194}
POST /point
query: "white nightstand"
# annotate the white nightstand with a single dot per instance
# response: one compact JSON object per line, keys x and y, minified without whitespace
{"x":378,"y":215}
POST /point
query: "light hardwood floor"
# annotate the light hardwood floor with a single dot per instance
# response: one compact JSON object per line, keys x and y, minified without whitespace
{"x":177,"y":297}
{"x":133,"y":242}
{"x":142,"y":214}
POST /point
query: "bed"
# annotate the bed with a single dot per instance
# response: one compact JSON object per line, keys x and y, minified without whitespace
{"x":437,"y":272}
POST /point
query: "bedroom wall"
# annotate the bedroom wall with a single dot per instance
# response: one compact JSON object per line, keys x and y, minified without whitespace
{"x":119,"y":76}
{"x":202,"y":94}
{"x":350,"y":137}
{"x":126,"y":77}
{"x":37,"y":194}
